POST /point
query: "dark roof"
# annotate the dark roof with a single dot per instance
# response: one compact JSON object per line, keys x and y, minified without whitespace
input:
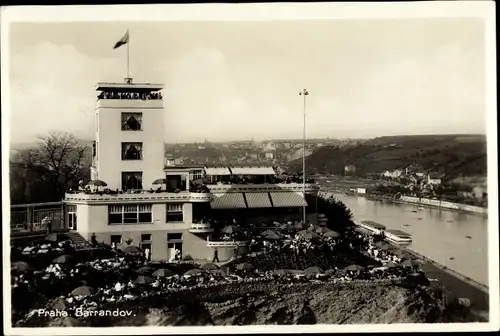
{"x":399,"y":233}
{"x":373,"y":224}
{"x":193,"y":166}
{"x":103,"y":86}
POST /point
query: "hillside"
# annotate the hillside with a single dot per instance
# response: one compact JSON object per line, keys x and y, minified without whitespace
{"x":454,"y":155}
{"x":270,"y":303}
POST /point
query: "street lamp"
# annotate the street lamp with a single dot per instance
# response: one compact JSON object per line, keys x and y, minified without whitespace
{"x":304,"y":93}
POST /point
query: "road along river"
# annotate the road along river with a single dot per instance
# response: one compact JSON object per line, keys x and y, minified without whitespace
{"x":456,"y":240}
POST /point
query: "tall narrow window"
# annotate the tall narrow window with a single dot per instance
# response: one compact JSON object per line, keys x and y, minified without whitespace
{"x":131,"y":121}
{"x":72,"y":217}
{"x":131,"y":180}
{"x":131,"y":150}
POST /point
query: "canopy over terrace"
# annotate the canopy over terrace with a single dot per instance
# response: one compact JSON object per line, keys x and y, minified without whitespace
{"x":257,"y":200}
{"x":253,"y":170}
{"x":240,"y":174}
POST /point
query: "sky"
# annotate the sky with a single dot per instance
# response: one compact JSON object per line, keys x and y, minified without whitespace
{"x":240,"y":80}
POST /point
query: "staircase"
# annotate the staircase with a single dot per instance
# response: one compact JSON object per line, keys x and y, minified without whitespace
{"x":77,"y":239}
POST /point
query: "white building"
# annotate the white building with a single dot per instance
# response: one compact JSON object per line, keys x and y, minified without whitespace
{"x":393,"y":174}
{"x":129,"y":157}
{"x":164,"y":217}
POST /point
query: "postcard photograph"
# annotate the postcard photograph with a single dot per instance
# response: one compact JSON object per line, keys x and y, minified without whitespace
{"x":249,"y":167}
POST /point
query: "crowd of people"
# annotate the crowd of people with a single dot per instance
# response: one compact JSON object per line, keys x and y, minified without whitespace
{"x":88,"y":189}
{"x":277,"y":255}
{"x":259,"y":179}
{"x":130,"y":95}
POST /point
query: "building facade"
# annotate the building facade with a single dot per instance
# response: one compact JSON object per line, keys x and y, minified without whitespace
{"x":163,"y":207}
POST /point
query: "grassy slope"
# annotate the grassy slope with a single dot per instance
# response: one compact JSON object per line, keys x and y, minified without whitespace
{"x":459,"y":154}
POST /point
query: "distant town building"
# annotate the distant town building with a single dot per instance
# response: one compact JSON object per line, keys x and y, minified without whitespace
{"x":393,"y":174}
{"x":350,"y":170}
{"x":480,"y":192}
{"x":270,"y":155}
{"x":433,"y":179}
{"x":361,"y":191}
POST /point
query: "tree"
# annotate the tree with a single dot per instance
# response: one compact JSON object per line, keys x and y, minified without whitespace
{"x":339,"y":216}
{"x":58,"y":161}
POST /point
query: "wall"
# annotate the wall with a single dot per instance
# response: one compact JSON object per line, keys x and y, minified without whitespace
{"x":196,"y":246}
{"x":94,"y":219}
{"x":110,"y":136}
{"x":444,"y":204}
{"x":83,"y":220}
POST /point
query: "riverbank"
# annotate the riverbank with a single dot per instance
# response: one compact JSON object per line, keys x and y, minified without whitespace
{"x":423,"y":202}
{"x":458,"y":284}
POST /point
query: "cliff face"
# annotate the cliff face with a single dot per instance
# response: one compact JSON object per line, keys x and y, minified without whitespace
{"x":342,"y":305}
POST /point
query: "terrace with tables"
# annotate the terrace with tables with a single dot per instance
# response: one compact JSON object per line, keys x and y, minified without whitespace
{"x":96,"y":276}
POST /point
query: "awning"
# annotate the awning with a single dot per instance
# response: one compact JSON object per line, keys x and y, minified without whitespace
{"x":258,"y":200}
{"x":228,"y":201}
{"x":287,"y":199}
{"x":217,"y":171}
{"x":253,"y":171}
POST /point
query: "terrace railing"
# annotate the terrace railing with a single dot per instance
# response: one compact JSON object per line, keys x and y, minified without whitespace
{"x":186,"y":196}
{"x":226,"y":243}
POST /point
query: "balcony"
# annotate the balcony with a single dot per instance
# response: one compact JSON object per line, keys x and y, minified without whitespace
{"x":130,"y":103}
{"x":226,"y":243}
{"x":200,"y":228}
{"x":145,"y":196}
{"x":311,"y":188}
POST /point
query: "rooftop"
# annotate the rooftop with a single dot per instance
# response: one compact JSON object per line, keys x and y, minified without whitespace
{"x":129,"y":86}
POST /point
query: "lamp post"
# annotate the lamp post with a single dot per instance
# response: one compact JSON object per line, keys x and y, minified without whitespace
{"x":304,"y":93}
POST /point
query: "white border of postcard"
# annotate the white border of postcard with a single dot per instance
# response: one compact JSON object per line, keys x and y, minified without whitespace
{"x":273,"y":11}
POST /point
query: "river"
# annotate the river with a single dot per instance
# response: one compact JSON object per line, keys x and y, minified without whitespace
{"x":437,"y":234}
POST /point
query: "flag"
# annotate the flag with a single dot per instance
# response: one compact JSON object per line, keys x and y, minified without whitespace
{"x":123,"y":40}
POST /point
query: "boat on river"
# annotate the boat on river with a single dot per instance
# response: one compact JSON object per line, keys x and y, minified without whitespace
{"x":371,"y":226}
{"x":391,"y":235}
{"x":398,"y":236}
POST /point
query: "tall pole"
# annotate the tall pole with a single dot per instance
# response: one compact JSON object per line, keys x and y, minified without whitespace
{"x":128,"y":58}
{"x":129,"y":78}
{"x":304,"y":93}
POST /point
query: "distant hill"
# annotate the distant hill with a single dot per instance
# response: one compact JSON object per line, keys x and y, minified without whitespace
{"x":454,"y":155}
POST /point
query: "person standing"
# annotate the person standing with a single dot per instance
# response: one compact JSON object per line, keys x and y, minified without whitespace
{"x":93,"y":239}
{"x":216,"y":255}
{"x":147,"y":254}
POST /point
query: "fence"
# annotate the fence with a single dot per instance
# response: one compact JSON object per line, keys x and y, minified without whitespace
{"x":29,"y":217}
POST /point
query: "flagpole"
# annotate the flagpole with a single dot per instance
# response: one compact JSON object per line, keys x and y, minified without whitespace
{"x":128,"y":79}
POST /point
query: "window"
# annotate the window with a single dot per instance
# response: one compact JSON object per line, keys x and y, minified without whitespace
{"x":145,"y":237}
{"x":174,"y":236}
{"x":72,"y":217}
{"x":131,"y":150}
{"x":131,"y":180}
{"x":195,"y":174}
{"x":117,"y":239}
{"x":131,"y":121}
{"x":174,"y":213}
{"x":130,"y":214}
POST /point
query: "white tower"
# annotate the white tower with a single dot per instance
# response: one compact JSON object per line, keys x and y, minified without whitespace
{"x":129,"y":148}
